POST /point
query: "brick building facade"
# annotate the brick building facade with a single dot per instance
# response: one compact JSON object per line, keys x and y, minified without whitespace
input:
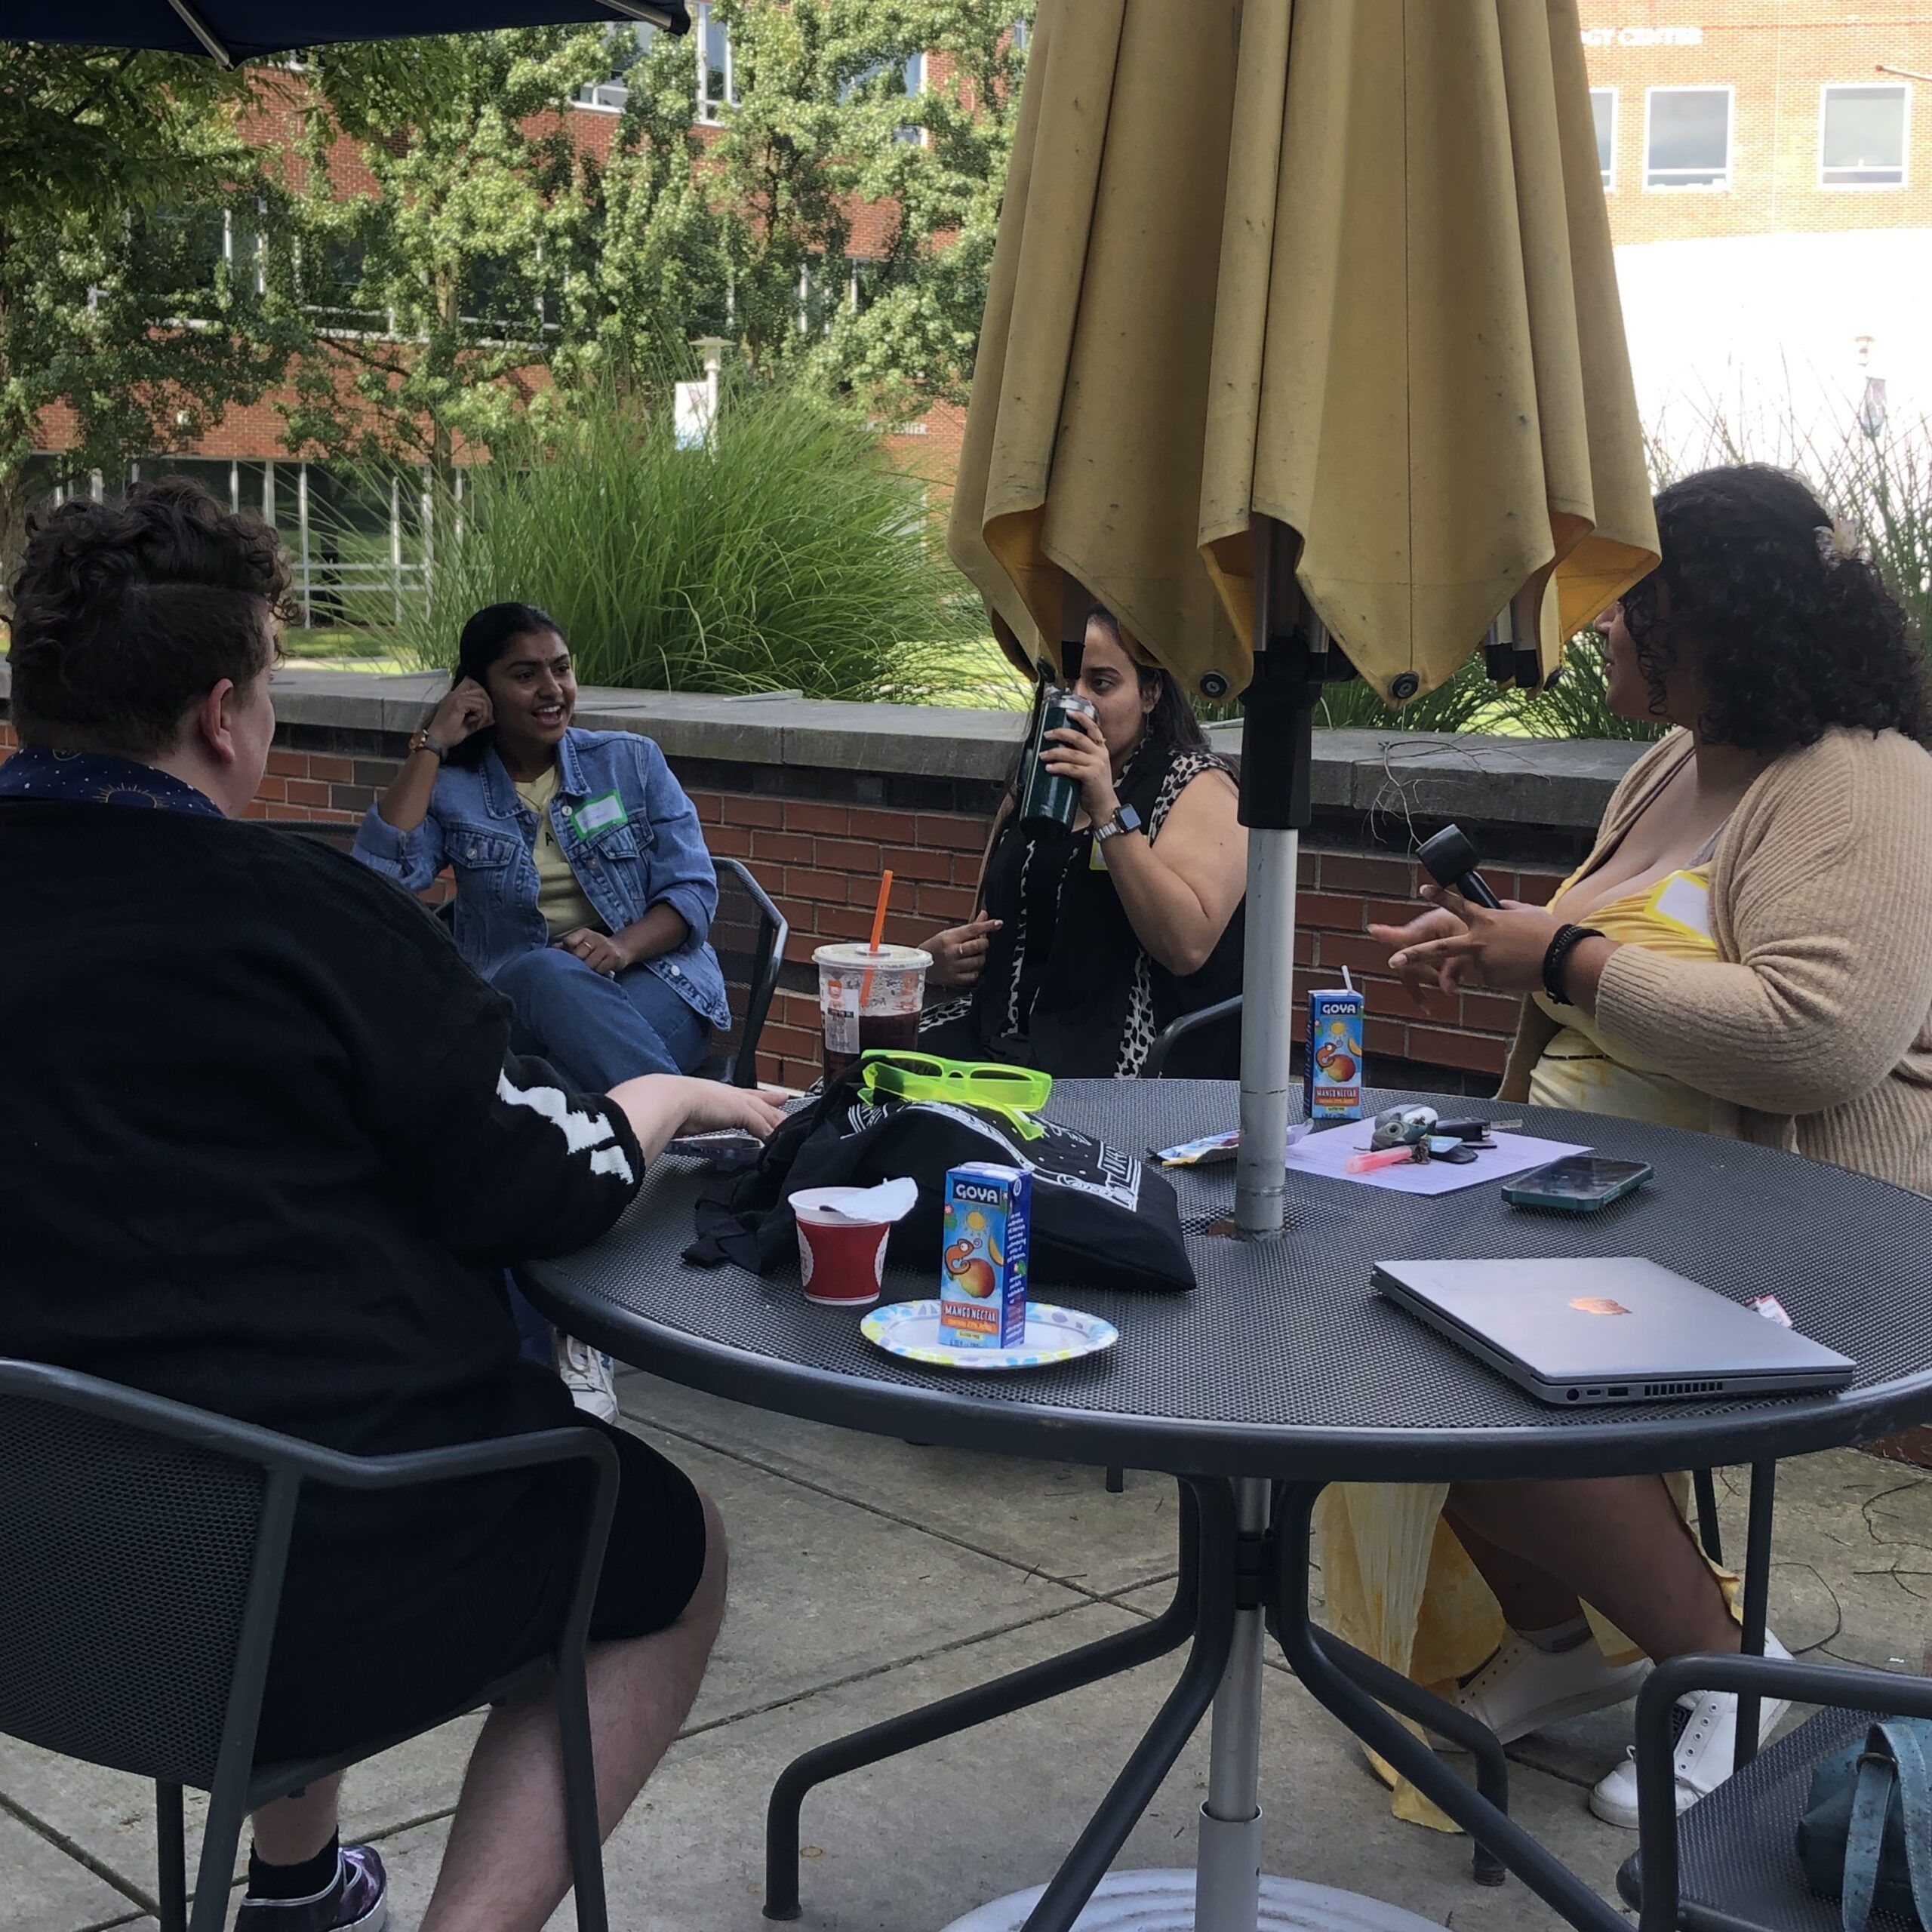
{"x":1728,"y":118}
{"x":1768,"y":173}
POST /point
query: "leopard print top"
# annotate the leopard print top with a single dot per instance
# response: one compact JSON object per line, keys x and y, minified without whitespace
{"x":1137,"y":1040}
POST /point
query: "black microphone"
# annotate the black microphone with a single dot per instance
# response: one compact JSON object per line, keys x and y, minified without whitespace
{"x":1450,"y":859}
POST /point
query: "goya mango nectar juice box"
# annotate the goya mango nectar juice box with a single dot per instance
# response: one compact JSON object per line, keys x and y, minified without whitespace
{"x":982,"y":1259}
{"x":1331,"y":1076}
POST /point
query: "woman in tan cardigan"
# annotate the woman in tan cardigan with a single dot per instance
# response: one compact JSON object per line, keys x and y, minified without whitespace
{"x":1747,"y":951}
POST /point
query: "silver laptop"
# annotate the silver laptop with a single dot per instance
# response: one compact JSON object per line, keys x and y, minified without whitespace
{"x":1584,"y":1329}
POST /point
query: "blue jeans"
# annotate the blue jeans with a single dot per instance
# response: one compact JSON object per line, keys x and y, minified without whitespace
{"x":596,"y":1030}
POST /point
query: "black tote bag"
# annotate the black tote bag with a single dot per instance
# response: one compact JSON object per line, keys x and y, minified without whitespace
{"x":1101,"y":1219}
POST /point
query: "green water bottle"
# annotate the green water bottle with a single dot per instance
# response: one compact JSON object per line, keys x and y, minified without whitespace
{"x":1051,"y":799}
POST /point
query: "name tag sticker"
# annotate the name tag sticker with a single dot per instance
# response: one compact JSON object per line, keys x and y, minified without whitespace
{"x":596,"y":815}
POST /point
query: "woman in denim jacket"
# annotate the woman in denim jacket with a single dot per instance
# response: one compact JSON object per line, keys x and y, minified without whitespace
{"x":583,"y":890}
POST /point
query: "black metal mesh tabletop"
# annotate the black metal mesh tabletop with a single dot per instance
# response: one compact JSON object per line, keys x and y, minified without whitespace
{"x":1284,"y":1361}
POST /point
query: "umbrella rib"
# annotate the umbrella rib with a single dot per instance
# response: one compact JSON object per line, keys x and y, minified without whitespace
{"x":202,"y":32}
{"x":651,"y":15}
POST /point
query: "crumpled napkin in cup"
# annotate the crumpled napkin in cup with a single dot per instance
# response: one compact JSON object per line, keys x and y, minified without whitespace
{"x":890,"y":1200}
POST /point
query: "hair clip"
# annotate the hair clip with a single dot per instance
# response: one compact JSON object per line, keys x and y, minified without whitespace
{"x":1839,"y":542}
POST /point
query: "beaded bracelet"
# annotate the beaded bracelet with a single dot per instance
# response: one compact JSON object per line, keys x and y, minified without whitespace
{"x":1556,"y":956}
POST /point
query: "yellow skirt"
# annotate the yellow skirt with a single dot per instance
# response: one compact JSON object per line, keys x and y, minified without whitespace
{"x":1398,"y":1585}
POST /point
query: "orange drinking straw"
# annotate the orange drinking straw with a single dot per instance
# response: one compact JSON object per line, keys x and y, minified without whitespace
{"x":878,"y":927}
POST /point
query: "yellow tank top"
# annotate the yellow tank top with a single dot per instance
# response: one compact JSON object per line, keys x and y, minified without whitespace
{"x":559,"y":898}
{"x":1672,"y":916}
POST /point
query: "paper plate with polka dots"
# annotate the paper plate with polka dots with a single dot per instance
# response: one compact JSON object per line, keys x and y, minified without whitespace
{"x":910,"y":1329}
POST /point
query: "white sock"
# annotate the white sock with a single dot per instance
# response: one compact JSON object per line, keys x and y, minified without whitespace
{"x":1559,"y":1637}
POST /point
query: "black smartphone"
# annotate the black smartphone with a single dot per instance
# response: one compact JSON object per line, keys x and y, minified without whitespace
{"x":1577,"y":1184}
{"x":729,"y":1149}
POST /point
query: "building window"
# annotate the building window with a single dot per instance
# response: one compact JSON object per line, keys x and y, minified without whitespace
{"x":1603,"y":111}
{"x":628,"y":47}
{"x":1686,"y":138}
{"x":911,"y":73}
{"x":912,"y":78}
{"x":1861,"y":137}
{"x":866,"y":275}
{"x":717,"y":80}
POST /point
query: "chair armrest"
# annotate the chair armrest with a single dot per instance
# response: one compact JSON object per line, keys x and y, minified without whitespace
{"x":1172,"y":1035}
{"x":268,"y":1450}
{"x":501,"y":1453}
{"x":1884,"y":1693}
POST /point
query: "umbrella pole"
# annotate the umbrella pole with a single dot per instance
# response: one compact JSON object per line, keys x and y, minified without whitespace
{"x":1227,"y":1868}
{"x":1277,"y":751}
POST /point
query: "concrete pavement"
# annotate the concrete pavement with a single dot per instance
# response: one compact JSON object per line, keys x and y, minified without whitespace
{"x":869,"y":1576}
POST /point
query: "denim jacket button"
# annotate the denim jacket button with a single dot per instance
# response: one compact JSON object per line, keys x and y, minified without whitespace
{"x":675,"y":974}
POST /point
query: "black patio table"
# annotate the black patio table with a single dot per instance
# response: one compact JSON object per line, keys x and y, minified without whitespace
{"x":1282,"y":1373}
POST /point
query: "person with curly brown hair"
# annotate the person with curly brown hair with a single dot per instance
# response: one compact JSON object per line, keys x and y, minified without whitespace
{"x":1746,"y":951}
{"x":269,"y":1154}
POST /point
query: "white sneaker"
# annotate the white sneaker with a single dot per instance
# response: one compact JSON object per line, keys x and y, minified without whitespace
{"x":1522,"y":1688}
{"x":1706,"y":1726}
{"x":587,"y":1374}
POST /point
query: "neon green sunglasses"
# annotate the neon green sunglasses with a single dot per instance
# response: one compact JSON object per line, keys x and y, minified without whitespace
{"x":1015,"y":1091}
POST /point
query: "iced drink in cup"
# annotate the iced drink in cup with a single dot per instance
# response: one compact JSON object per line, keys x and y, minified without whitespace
{"x":869,"y":998}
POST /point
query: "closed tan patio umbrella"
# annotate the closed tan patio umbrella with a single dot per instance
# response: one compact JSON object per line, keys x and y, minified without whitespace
{"x":1329,"y":284}
{"x":1301,"y":353}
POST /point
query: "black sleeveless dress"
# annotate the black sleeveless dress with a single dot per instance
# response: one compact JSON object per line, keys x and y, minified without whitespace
{"x":1068,"y":987}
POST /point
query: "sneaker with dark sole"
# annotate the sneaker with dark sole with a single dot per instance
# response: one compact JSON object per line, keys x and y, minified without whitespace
{"x":357,"y":1901}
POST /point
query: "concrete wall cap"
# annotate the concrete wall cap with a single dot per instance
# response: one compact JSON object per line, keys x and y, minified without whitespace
{"x":1554,"y":784}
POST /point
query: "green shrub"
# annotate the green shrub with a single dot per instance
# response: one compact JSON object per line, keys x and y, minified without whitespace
{"x":789,"y":556}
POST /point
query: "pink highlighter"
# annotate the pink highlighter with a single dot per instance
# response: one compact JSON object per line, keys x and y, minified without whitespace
{"x":1377,"y":1157}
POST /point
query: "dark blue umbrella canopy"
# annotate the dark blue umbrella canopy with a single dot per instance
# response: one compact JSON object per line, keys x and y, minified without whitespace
{"x":233,"y":30}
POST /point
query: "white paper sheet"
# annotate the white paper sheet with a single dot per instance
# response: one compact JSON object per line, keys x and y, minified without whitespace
{"x":1330,"y":1152}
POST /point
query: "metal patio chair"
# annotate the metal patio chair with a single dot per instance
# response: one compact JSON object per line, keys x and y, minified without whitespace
{"x":1729,"y":1863}
{"x":142,"y":1545}
{"x":748,"y":934}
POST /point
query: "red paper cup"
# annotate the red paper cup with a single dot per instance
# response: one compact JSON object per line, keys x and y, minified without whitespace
{"x":843,"y":1261}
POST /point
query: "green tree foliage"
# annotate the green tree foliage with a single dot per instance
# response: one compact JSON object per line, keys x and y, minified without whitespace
{"x":831,"y":206}
{"x":435,"y":275}
{"x":138,"y":300}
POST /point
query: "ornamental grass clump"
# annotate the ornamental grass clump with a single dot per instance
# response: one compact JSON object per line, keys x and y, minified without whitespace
{"x":788,"y":554}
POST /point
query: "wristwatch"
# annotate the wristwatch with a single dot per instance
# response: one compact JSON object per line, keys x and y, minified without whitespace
{"x":421,"y":741}
{"x":1125,"y":819}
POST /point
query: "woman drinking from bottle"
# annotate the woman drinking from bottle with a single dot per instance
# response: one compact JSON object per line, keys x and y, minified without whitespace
{"x":1095,"y":935}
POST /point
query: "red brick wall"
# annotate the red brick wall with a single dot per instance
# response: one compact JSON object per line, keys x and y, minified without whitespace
{"x":821,"y":862}
{"x":325,"y":787}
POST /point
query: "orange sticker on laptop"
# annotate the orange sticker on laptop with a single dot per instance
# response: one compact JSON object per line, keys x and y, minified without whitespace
{"x":1598,"y":1305}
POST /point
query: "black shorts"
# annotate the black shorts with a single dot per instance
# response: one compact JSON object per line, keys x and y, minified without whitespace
{"x":399,"y":1611}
